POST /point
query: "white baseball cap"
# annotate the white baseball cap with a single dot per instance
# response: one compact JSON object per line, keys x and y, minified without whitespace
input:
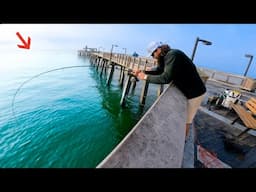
{"x":153,"y":46}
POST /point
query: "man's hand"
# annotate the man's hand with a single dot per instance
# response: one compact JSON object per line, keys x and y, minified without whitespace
{"x":136,"y":72}
{"x":142,"y":76}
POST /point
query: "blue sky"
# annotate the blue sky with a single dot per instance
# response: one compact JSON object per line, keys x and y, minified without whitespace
{"x":230,"y":42}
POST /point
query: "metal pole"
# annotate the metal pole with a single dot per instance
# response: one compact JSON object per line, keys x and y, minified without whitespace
{"x":99,"y":49}
{"x":194,"y":50}
{"x":248,"y":66}
{"x":111,"y":53}
{"x":124,"y":51}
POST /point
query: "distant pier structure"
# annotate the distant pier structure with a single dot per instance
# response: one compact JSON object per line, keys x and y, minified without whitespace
{"x":106,"y":63}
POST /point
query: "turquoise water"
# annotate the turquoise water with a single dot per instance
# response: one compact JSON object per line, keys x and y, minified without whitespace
{"x":62,"y":119}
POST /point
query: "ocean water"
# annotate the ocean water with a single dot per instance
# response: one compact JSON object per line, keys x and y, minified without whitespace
{"x":66,"y":118}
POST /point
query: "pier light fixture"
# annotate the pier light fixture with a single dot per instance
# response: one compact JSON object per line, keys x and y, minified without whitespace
{"x":196,"y":43}
{"x":112,"y":47}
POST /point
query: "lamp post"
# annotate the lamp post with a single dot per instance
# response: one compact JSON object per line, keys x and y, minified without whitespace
{"x":99,"y":49}
{"x":112,"y":66}
{"x":196,"y":43}
{"x":250,"y":61}
{"x":112,"y":51}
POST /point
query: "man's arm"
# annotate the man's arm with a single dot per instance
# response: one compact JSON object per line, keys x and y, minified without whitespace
{"x":167,"y":76}
{"x":154,"y":71}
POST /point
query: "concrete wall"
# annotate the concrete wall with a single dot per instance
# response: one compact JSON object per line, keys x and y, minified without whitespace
{"x":157,"y":140}
{"x":236,"y":80}
{"x":225,"y":77}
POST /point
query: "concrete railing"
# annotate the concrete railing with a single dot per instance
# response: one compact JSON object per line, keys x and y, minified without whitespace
{"x":157,"y":140}
{"x":239,"y":81}
{"x":128,"y":60}
{"x":225,"y":77}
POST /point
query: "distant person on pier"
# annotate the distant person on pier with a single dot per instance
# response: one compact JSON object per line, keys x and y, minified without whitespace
{"x":175,"y":66}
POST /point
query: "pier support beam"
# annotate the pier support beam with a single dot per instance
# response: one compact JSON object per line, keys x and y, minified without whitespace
{"x":133,"y":80}
{"x":126,"y":90}
{"x":144,"y":93}
{"x":110,"y":74}
{"x":122,"y":78}
{"x":98,"y":63}
{"x":102,"y":67}
{"x":120,"y":75}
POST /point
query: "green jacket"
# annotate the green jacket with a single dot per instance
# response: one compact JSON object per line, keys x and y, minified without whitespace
{"x":180,"y":69}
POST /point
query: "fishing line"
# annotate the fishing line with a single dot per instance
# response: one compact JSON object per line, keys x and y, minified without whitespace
{"x":35,"y":76}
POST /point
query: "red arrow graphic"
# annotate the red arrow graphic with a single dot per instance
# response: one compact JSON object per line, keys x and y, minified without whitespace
{"x":26,"y":45}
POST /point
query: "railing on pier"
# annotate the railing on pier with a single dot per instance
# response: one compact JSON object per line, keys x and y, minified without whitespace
{"x":128,"y":61}
{"x":157,"y":140}
{"x":238,"y":81}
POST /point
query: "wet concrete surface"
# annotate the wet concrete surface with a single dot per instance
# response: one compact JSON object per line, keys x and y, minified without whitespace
{"x":219,"y":138}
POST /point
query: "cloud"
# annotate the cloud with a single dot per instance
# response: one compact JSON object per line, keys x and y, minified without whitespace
{"x":133,"y":37}
{"x":48,"y":35}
